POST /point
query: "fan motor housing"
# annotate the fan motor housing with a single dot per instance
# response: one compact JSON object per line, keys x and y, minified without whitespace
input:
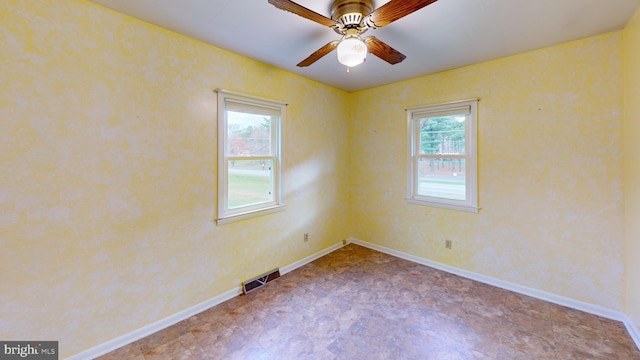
{"x":350,"y":12}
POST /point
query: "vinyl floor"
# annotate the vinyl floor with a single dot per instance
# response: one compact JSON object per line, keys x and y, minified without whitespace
{"x":357,"y":303}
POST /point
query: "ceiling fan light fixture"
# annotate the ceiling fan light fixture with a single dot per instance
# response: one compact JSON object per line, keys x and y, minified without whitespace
{"x":352,"y":51}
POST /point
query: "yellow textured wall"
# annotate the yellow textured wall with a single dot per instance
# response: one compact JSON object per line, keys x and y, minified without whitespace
{"x":108,"y":173}
{"x":632,"y":166}
{"x":550,"y":170}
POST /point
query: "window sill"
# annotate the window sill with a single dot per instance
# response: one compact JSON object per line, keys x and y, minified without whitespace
{"x":465,"y":208}
{"x":249,"y":214}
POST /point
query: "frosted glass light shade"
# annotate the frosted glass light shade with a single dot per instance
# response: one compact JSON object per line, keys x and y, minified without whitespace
{"x":352,"y":51}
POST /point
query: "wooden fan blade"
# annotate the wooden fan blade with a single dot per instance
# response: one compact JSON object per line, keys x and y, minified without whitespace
{"x":297,"y":9}
{"x":319,"y":53}
{"x":383,"y":51}
{"x":394,"y":10}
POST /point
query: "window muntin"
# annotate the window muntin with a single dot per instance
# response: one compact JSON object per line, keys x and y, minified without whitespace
{"x":250,"y":156}
{"x":442,"y":156}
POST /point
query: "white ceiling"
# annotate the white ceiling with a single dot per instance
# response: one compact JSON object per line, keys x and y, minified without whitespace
{"x":444,"y":35}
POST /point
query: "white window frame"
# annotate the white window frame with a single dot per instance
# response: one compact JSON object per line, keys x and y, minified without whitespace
{"x":469,"y":107}
{"x":225,"y":214}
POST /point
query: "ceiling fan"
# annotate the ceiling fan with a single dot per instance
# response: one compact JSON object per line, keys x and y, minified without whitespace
{"x":351,"y":19}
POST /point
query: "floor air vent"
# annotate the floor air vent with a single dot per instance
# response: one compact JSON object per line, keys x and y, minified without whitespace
{"x":260,"y":281}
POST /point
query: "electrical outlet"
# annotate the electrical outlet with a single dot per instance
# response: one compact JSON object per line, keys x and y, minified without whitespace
{"x":448,"y":244}
{"x":306,"y":237}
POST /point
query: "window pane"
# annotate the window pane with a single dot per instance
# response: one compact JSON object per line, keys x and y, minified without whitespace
{"x":443,"y":178}
{"x":250,"y":182}
{"x":442,"y":135}
{"x":248,"y":134}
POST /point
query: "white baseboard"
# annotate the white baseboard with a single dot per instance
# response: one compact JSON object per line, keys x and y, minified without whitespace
{"x":185,"y":314}
{"x":155,"y":327}
{"x":310,"y":258}
{"x":556,"y":299}
{"x":633,"y":330}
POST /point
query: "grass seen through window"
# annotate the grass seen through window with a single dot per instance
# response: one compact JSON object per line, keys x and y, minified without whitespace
{"x":249,"y":184}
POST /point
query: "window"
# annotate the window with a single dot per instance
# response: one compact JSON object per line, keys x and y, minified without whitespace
{"x":442,"y":155}
{"x":249,"y":156}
